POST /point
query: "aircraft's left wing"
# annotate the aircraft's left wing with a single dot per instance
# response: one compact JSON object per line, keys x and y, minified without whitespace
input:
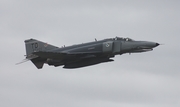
{"x":44,"y":54}
{"x":63,"y":55}
{"x":80,"y":53}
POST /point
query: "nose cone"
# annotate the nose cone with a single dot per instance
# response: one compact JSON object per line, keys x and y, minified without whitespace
{"x":148,"y":45}
{"x":152,"y":44}
{"x":138,"y":46}
{"x":157,"y":44}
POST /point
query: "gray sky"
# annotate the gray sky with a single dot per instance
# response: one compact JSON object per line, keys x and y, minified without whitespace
{"x":136,"y":80}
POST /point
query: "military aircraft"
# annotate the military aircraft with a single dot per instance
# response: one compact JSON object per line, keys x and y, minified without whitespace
{"x":84,"y":54}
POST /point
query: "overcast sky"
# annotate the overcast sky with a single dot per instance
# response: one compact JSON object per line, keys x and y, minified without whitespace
{"x":150,"y":79}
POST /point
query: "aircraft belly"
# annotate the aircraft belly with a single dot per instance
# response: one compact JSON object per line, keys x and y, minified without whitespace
{"x":86,"y":62}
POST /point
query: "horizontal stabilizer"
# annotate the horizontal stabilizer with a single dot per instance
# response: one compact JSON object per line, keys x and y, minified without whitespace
{"x":28,"y":58}
{"x":25,"y":60}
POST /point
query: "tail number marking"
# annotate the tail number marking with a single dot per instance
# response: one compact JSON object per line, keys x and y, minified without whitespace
{"x":34,"y":45}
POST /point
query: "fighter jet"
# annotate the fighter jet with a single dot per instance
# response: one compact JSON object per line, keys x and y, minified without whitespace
{"x":85,"y":54}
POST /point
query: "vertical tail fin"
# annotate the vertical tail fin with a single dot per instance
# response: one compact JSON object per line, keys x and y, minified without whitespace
{"x":33,"y":45}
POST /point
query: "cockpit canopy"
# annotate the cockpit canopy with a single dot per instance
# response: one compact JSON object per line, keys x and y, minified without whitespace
{"x":124,"y":39}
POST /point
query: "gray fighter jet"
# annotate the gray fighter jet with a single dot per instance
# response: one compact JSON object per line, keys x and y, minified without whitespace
{"x":85,"y":54}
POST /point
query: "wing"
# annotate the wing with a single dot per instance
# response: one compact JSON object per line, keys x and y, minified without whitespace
{"x":65,"y":55}
{"x":44,"y":54}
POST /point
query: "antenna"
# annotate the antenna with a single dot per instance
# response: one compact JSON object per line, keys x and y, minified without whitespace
{"x":95,"y":39}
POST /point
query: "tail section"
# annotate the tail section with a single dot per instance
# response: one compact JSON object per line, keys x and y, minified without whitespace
{"x":33,"y":45}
